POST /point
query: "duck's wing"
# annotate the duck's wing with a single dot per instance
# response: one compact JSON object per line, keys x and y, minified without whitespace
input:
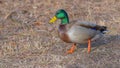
{"x":90,"y":25}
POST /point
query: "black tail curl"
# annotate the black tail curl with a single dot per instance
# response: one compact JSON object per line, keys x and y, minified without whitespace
{"x":103,"y":29}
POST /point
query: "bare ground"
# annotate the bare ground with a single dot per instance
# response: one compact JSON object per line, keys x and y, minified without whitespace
{"x":28,"y":41}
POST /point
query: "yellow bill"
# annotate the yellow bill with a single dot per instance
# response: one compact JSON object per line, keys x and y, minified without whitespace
{"x":53,"y":19}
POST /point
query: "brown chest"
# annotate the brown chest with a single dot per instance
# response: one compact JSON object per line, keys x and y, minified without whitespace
{"x":64,"y":37}
{"x":62,"y":33}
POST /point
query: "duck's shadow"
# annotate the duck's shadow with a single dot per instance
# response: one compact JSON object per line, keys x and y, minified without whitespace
{"x":102,"y":41}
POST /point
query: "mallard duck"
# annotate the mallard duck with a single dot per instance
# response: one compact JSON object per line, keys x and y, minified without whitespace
{"x":76,"y":31}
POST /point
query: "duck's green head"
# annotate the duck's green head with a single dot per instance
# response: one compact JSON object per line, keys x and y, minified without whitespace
{"x":60,"y":14}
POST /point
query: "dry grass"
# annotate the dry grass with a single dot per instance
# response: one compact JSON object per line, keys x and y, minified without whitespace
{"x":28,"y":41}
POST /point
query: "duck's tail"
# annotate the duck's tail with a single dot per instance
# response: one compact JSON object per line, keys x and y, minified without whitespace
{"x":103,"y":29}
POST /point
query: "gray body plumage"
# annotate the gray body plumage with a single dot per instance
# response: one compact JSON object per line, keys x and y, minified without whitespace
{"x":80,"y":32}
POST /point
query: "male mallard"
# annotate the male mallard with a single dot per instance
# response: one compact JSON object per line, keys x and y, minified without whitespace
{"x":76,"y":31}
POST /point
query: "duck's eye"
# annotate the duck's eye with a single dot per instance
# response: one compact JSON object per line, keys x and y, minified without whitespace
{"x":57,"y":13}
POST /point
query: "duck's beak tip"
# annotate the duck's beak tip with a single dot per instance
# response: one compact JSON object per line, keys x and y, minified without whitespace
{"x":53,"y":20}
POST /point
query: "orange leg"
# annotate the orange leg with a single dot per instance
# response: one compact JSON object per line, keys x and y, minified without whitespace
{"x":89,"y":45}
{"x":72,"y":49}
